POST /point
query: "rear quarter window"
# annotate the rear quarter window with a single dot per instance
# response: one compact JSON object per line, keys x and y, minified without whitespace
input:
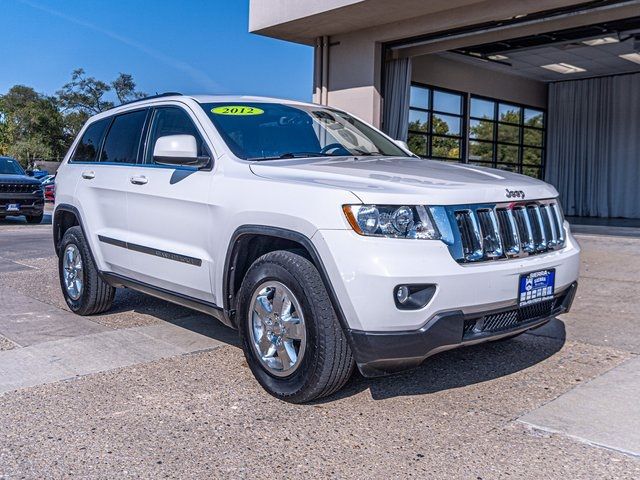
{"x":123,"y":140}
{"x":88,"y":148}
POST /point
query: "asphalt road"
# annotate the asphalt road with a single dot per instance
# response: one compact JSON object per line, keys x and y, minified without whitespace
{"x":151,"y":390}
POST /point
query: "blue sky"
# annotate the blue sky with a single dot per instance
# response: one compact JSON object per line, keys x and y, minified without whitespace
{"x":190,"y":46}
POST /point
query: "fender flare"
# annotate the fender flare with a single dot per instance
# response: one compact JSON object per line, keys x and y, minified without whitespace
{"x":283,"y":233}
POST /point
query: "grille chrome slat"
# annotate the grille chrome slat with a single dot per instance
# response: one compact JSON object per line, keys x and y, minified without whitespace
{"x":525,"y":229}
{"x":560,"y":221}
{"x":550,"y":225}
{"x":470,"y":233}
{"x":539,"y":236}
{"x":509,"y":232}
{"x":491,"y":239}
{"x":503,"y":231}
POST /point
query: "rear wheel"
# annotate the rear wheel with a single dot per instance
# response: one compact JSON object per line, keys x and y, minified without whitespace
{"x":291,"y":336}
{"x":85,"y":292}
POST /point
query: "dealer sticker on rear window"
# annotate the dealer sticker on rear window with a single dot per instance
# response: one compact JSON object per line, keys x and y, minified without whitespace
{"x":536,"y":286}
{"x":237,"y":110}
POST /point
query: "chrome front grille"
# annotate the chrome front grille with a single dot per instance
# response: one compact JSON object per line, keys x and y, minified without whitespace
{"x":493,"y":232}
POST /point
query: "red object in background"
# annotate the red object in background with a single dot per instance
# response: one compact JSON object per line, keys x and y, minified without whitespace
{"x":50,"y":192}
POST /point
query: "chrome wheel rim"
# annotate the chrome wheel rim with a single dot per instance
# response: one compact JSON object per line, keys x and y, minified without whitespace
{"x":277,"y":329}
{"x":72,"y":272}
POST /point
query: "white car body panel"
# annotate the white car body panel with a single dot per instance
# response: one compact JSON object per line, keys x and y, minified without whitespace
{"x":196,"y":216}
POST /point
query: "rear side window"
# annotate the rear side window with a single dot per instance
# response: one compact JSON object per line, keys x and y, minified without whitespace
{"x":89,"y":145}
{"x":123,"y":139}
{"x":172,"y":121}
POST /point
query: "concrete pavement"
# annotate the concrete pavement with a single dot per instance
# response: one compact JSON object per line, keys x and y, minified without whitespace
{"x":153,"y":390}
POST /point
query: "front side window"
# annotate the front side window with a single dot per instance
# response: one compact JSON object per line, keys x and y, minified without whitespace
{"x":173,"y":121}
{"x":9,"y":166}
{"x":266,"y":131}
{"x":89,"y":145}
{"x":123,"y":139}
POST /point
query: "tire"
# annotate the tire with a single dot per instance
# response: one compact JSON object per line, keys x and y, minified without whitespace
{"x":35,"y":219}
{"x":95,"y":296}
{"x":327,"y":362}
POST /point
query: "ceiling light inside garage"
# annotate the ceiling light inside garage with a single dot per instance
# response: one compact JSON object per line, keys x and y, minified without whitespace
{"x":498,"y":57}
{"x":563,"y":68}
{"x":594,"y":42}
{"x":632,"y":57}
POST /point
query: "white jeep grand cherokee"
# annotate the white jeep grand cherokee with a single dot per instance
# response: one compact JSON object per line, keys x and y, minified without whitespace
{"x":324,"y":242}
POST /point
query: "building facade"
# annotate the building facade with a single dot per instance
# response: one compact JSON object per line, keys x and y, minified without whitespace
{"x":546,"y":88}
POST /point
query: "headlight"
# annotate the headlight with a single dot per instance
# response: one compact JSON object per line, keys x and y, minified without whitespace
{"x":392,"y":221}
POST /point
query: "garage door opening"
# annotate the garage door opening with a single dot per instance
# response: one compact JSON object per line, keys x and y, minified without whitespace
{"x":563,"y":106}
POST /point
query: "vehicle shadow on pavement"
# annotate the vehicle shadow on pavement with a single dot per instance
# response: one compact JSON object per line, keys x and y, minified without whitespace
{"x":46,"y":220}
{"x":130,"y":301}
{"x":462,"y":367}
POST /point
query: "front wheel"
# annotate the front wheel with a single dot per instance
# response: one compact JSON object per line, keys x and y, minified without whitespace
{"x":291,"y":336}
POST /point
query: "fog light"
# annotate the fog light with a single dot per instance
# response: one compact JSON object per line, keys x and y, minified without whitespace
{"x":413,"y":297}
{"x":402,"y":294}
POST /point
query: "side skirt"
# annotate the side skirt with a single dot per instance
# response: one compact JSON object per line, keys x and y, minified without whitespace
{"x":209,"y":308}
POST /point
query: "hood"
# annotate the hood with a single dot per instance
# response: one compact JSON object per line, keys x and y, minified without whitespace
{"x":396,"y":180}
{"x":21,"y":179}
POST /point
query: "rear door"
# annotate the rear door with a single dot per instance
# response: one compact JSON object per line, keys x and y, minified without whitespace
{"x":168,"y":213}
{"x":108,"y":149}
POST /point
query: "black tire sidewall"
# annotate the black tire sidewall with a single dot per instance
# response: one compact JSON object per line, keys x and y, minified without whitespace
{"x":74,"y":237}
{"x":281,"y":387}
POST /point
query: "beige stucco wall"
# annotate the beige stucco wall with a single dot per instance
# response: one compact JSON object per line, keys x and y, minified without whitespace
{"x":443,"y":72}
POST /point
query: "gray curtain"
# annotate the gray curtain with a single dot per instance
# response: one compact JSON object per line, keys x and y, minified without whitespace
{"x":397,"y":85}
{"x":593,"y":152}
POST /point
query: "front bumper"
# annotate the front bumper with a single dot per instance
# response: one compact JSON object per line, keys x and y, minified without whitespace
{"x":29,"y":204}
{"x":379,"y":354}
{"x":364,"y":272}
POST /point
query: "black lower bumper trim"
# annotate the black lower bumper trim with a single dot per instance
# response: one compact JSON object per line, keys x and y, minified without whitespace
{"x":384,"y":353}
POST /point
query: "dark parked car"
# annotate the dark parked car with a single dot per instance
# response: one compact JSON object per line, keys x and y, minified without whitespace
{"x":20,"y":194}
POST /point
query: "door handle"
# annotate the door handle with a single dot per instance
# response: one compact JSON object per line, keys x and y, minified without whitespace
{"x":88,"y":175}
{"x":141,"y":180}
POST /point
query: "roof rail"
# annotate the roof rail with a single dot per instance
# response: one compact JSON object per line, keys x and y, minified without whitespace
{"x":150,"y":97}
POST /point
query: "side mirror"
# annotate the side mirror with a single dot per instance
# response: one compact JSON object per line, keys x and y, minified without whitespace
{"x":178,"y":150}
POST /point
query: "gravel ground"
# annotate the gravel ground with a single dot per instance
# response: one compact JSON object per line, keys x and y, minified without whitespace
{"x":203,"y":416}
{"x":130,"y":309}
{"x":6,"y":344}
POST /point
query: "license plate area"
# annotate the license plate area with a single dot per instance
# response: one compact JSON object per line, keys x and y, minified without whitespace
{"x":13,"y":207}
{"x":536,"y":287}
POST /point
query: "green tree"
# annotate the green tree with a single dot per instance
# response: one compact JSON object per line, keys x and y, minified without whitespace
{"x":85,"y":96}
{"x":31,"y":126}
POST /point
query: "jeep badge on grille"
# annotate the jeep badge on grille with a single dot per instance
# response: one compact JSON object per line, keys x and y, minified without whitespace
{"x":515,"y":193}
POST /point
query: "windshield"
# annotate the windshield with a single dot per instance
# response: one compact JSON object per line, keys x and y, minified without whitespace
{"x":9,"y":166}
{"x":267,"y":131}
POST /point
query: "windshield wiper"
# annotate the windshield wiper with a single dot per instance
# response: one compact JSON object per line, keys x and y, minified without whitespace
{"x":364,"y":153}
{"x":294,"y":155}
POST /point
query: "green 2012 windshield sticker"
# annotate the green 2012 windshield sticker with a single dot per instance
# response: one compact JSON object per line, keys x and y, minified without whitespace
{"x":237,"y":110}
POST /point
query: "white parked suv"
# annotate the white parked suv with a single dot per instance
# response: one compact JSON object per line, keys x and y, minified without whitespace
{"x":324,"y":242}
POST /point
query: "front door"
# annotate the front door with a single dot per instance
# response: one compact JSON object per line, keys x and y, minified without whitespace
{"x":168,"y":214}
